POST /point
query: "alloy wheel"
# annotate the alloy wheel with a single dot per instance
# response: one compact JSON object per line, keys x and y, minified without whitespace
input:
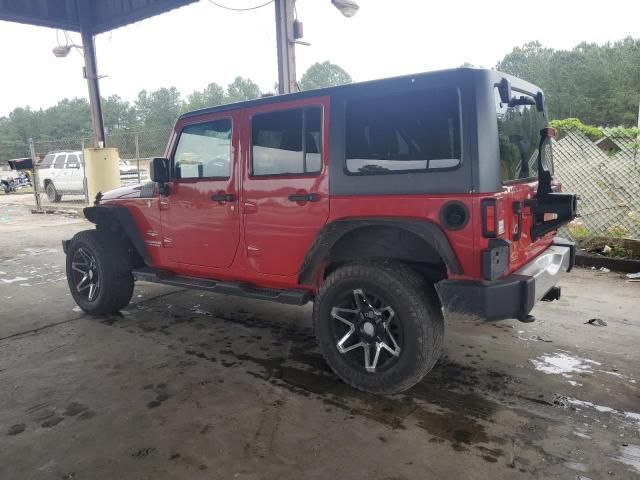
{"x":86,"y":276}
{"x":367,"y":330}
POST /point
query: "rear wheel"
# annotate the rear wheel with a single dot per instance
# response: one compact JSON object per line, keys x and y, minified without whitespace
{"x":98,"y":272}
{"x":379,"y":326}
{"x":52,"y":194}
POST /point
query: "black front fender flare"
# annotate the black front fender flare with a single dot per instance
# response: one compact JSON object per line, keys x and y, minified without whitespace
{"x":334,"y":231}
{"x":105,"y":214}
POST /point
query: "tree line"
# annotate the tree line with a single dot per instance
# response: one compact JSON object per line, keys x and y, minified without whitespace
{"x":150,"y":111}
{"x":598,"y":84}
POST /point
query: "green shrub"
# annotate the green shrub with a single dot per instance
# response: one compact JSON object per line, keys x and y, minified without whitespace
{"x":620,"y":252}
{"x":578,"y":230}
{"x":567,"y":124}
{"x":617,"y":231}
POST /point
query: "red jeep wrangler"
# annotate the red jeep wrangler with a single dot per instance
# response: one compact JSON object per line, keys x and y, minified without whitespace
{"x":383,"y":202}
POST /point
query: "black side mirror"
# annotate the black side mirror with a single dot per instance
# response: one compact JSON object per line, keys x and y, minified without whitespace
{"x":159,"y":170}
{"x":540,"y":101}
{"x":160,"y":174}
{"x":504,"y":89}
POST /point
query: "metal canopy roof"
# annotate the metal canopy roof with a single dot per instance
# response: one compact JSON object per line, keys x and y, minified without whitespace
{"x":103,"y":15}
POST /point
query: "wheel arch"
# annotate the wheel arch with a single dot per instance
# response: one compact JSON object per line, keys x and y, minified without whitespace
{"x":405,"y":239}
{"x":118,"y":218}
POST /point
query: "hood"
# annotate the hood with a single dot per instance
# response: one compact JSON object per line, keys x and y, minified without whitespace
{"x":130,"y":191}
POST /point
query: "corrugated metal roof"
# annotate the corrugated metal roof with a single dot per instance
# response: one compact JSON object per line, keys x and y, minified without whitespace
{"x":104,"y":14}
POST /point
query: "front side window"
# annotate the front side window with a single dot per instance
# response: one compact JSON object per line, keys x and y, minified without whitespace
{"x":409,"y":132}
{"x":519,"y":125}
{"x":47,"y":161}
{"x":287,"y":142}
{"x":204,"y":150}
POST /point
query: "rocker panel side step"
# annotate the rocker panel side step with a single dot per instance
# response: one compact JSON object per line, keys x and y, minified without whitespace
{"x":290,"y":297}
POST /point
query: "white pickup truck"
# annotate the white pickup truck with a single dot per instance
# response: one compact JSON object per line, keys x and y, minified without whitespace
{"x":62,"y":173}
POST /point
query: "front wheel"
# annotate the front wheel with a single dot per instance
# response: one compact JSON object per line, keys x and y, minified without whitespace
{"x":379,"y":326}
{"x":98,"y":272}
{"x":52,"y":194}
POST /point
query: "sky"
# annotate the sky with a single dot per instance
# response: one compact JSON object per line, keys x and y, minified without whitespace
{"x":201,"y":43}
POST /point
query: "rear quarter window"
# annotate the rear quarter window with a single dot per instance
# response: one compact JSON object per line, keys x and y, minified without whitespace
{"x":416,"y":131}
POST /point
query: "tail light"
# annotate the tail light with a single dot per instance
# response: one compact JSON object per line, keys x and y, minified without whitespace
{"x":492,"y":221}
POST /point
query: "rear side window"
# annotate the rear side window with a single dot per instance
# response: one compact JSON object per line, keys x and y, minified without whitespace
{"x":59,"y":161}
{"x":47,"y":161}
{"x":287,"y":142}
{"x":204,"y":150}
{"x":72,"y":161}
{"x":409,"y":132}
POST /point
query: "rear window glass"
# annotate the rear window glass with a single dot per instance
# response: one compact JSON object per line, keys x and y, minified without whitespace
{"x":287,"y":142}
{"x":518,"y":137}
{"x":409,"y":132}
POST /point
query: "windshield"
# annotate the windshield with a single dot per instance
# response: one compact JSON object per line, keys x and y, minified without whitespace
{"x":519,"y":125}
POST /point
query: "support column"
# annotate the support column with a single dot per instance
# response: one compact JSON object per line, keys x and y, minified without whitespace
{"x":286,"y":46}
{"x":91,"y":72}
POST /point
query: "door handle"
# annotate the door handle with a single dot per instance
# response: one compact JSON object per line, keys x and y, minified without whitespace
{"x":304,"y":197}
{"x":222,"y":197}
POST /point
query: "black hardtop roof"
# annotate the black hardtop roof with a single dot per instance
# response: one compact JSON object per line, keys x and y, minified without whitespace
{"x":438,"y":76}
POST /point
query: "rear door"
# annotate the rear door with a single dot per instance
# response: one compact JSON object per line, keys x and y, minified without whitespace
{"x":73,"y":174}
{"x":200,"y":219}
{"x":285,"y":183}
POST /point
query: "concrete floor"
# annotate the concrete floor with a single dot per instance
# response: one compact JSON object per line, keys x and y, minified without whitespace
{"x":185,"y":385}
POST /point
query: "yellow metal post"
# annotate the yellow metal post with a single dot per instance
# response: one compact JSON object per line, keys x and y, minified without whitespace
{"x":102,"y":170}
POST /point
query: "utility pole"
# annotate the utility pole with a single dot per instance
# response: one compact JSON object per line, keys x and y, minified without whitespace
{"x":289,"y":32}
{"x":285,"y":39}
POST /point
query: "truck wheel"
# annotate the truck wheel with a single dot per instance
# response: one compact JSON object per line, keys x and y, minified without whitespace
{"x":98,"y":272}
{"x":52,"y":194}
{"x":379,"y":326}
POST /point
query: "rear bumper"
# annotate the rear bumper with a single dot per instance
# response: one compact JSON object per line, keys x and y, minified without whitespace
{"x":515,"y":295}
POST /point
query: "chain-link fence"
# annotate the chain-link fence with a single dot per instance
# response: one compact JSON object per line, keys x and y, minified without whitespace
{"x":59,"y":178}
{"x":606,"y":176}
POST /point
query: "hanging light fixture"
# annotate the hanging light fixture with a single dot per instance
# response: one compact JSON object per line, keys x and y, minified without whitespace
{"x":348,"y":8}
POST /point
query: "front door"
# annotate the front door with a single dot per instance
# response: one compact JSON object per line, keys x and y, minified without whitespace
{"x":285,"y":186}
{"x":200,"y":218}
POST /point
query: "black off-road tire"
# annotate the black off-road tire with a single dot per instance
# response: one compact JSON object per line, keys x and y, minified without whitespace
{"x":52,"y":194}
{"x":417,"y":307}
{"x":113,"y":266}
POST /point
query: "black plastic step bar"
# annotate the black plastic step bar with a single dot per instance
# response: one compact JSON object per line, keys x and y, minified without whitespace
{"x":290,"y":297}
